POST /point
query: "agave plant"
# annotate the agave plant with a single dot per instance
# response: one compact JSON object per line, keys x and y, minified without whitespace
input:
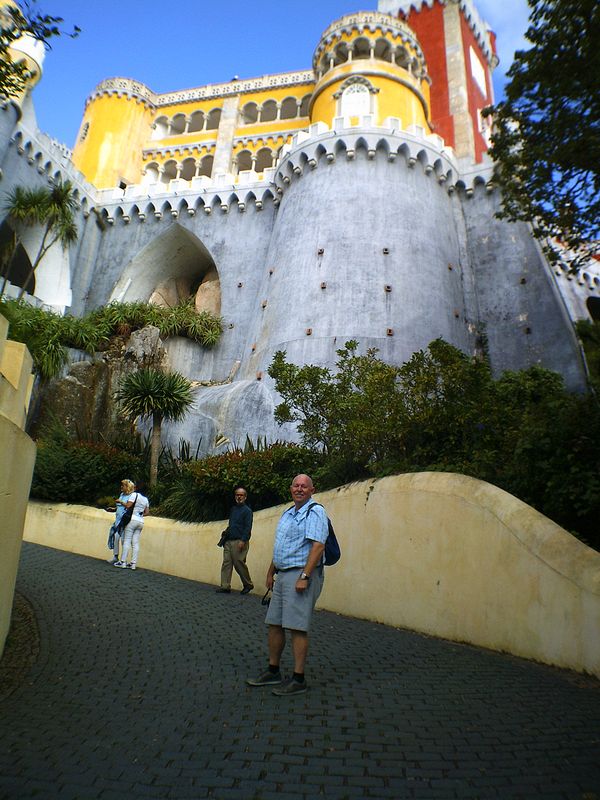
{"x":41,"y":331}
{"x":204,"y":328}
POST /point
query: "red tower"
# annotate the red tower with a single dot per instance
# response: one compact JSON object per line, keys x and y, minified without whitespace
{"x":460,"y":53}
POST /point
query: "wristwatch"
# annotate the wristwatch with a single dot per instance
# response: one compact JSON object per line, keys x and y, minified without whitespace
{"x":304,"y":577}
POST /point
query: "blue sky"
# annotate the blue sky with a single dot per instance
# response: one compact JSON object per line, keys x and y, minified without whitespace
{"x":212,"y":43}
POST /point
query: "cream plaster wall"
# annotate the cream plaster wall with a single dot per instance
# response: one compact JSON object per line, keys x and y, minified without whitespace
{"x":16,"y":466}
{"x":439,"y":553}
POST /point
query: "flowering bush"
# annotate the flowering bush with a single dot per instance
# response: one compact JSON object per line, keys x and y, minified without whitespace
{"x":204,"y":489}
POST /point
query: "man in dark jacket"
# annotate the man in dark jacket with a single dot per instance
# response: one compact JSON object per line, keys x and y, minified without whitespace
{"x":236,"y":542}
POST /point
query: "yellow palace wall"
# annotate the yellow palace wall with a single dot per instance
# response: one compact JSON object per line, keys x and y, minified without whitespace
{"x":119,"y":129}
{"x":439,"y":553}
{"x":116,"y":140}
{"x":394,"y":99}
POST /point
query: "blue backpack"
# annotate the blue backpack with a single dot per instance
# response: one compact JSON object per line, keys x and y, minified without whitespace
{"x":332,"y":547}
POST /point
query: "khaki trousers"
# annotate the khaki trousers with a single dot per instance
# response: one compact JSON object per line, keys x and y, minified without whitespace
{"x":234,"y":558}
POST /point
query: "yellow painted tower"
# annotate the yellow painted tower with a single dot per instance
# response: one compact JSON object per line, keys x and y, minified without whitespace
{"x":117,"y":122}
{"x":370,"y":65}
{"x":26,"y":49}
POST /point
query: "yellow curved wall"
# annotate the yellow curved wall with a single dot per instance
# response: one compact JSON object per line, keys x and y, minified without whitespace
{"x":394,"y":99}
{"x":112,"y":148}
{"x":16,"y":465}
{"x":443,"y":554}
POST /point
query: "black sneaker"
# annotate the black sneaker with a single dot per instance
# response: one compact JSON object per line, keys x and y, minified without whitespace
{"x":291,"y":687}
{"x":267,"y":678}
{"x":247,"y":589}
{"x":220,"y":590}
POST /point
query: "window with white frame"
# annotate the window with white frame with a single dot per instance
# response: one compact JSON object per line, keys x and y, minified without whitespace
{"x":355,"y":101}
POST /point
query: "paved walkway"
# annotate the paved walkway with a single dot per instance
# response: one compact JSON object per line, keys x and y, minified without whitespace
{"x":138,"y":691}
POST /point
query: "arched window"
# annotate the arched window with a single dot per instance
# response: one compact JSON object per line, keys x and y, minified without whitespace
{"x":244,"y":161}
{"x":196,"y":122}
{"x":178,"y":124}
{"x":161,"y":128}
{"x":355,"y":101}
{"x":383,"y":50}
{"x":206,"y":166}
{"x":268,"y":112}
{"x":169,"y":172}
{"x":289,"y":108}
{"x":188,"y":169}
{"x":151,"y":174}
{"x":214,"y":118}
{"x":249,"y":114}
{"x":264,"y":159}
{"x":341,"y":53}
{"x":362,"y":48}
{"x":402,"y":58}
{"x":304,"y":105}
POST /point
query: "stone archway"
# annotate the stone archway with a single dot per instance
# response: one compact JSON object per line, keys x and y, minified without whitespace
{"x":172,"y":268}
{"x":15,"y":264}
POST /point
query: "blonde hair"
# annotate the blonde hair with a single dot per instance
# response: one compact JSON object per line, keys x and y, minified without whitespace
{"x":128,"y":485}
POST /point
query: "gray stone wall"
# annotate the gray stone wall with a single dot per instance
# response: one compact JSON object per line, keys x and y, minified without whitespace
{"x":520,"y":307}
{"x":353,"y":211}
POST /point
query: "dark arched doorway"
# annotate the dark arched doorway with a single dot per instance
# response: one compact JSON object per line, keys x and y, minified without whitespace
{"x":15,"y":265}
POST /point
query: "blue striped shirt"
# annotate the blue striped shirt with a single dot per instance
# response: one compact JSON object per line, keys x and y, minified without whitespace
{"x":296,"y":531}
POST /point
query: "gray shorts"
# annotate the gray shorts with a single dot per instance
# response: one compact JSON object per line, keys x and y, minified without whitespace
{"x":289,"y":608}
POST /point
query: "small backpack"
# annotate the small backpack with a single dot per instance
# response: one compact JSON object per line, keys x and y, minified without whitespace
{"x":332,"y":548}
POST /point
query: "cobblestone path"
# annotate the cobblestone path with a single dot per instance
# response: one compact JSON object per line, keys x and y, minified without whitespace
{"x":138,"y":692}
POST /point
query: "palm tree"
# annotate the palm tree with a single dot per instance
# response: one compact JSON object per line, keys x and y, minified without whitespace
{"x":53,"y":208}
{"x":160,"y":395}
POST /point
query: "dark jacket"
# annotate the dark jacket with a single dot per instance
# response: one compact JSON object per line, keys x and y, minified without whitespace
{"x":240,"y":523}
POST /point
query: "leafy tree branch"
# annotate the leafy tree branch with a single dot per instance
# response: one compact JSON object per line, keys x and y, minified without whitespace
{"x":546,"y":139}
{"x":17,"y":22}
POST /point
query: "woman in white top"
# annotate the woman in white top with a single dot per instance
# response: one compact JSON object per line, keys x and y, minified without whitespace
{"x":132,"y":533}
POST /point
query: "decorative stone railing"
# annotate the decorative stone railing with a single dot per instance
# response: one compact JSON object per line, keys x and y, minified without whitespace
{"x":130,"y":88}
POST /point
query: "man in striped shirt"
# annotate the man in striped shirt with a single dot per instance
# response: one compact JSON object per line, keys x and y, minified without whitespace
{"x":296,"y":578}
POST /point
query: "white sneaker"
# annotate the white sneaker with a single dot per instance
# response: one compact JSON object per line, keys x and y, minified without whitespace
{"x":131,"y":566}
{"x":121,"y":564}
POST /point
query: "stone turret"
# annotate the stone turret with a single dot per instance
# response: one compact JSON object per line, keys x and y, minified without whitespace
{"x":370,"y":66}
{"x":30,"y":52}
{"x":118,"y":120}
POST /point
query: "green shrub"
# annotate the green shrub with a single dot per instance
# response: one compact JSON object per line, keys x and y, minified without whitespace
{"x":444,"y":411}
{"x":47,"y":334}
{"x":589,"y":333}
{"x":203,"y":490}
{"x":69,"y":471}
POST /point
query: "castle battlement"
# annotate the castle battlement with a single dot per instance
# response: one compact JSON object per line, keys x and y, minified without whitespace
{"x":317,"y":146}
